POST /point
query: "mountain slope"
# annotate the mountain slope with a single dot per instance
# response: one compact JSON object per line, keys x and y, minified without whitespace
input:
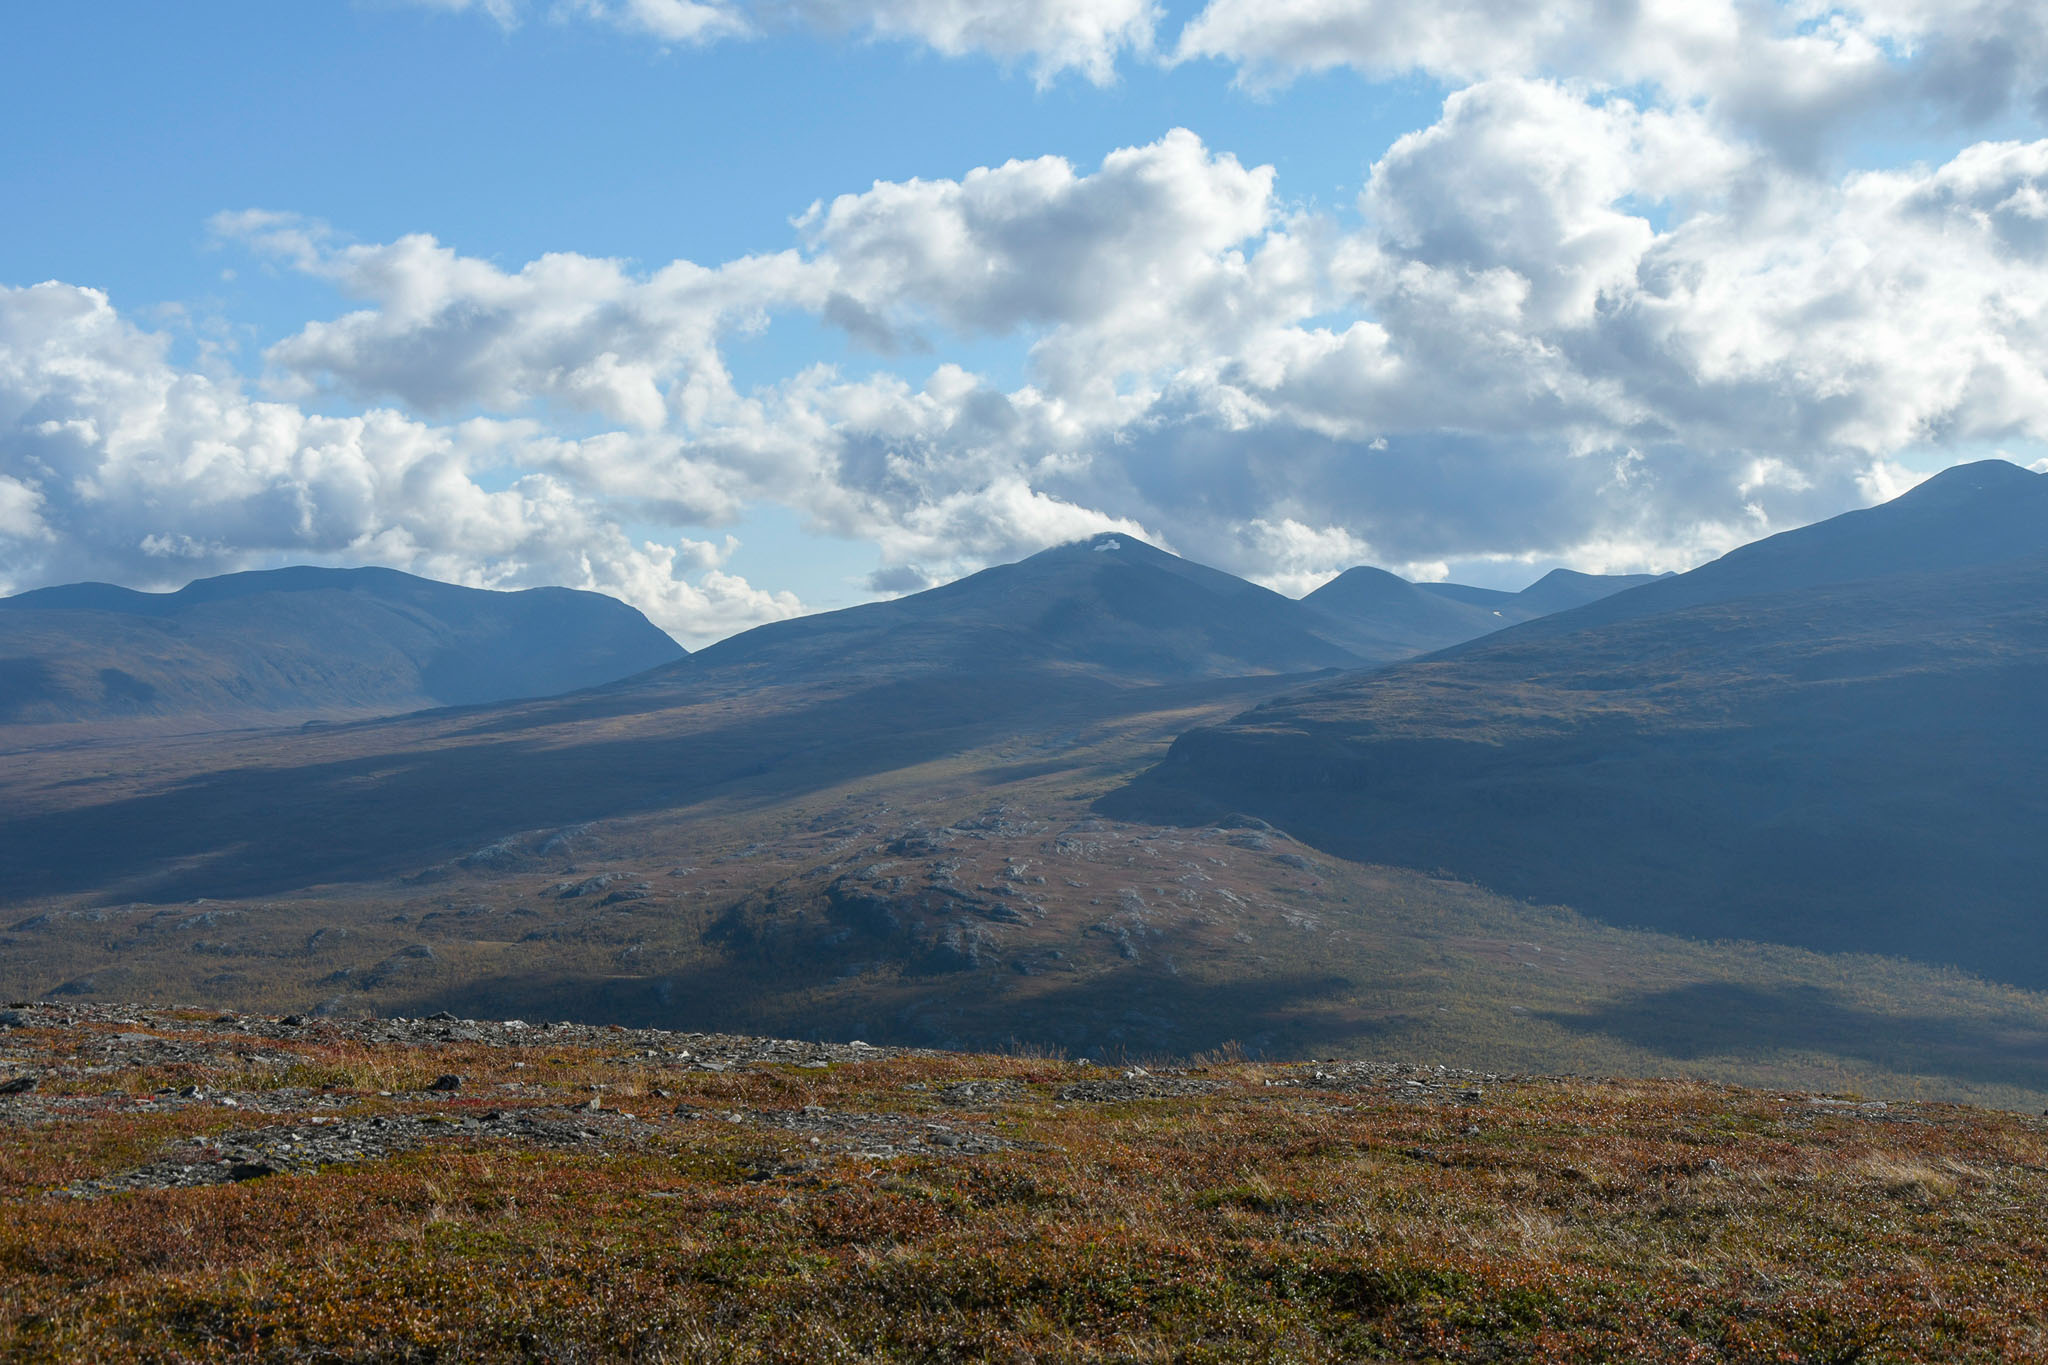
{"x":298,"y":643}
{"x":1849,"y":763}
{"x":1990,"y":512}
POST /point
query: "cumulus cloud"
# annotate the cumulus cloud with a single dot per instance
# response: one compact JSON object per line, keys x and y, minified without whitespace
{"x":1132,"y":269}
{"x":1789,"y":72}
{"x":446,"y":332}
{"x":1535,"y":369}
{"x":1130,"y":266}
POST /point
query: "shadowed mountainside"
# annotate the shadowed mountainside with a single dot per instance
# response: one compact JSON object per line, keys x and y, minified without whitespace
{"x":1382,"y":617}
{"x":1849,"y":762}
{"x":292,"y":644}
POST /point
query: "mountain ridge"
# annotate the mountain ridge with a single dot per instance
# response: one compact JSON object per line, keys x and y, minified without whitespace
{"x":275,"y":646}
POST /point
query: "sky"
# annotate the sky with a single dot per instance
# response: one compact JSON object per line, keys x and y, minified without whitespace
{"x":738,"y":309}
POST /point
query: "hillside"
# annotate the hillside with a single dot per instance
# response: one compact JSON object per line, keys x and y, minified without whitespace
{"x":190,"y":1185}
{"x":1841,"y":763}
{"x":288,"y":645}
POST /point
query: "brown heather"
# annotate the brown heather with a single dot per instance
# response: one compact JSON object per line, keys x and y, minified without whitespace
{"x":1227,"y":1211}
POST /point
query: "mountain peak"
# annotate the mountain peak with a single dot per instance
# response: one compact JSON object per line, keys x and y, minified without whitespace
{"x":1962,"y":484}
{"x":1109,"y":544}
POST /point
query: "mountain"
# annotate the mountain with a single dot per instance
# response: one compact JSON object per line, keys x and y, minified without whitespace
{"x":1563,"y":589}
{"x":1382,"y":617}
{"x":1111,"y":607}
{"x":1831,"y":739}
{"x":302,"y":643}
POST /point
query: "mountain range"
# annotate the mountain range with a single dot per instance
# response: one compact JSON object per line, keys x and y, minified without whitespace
{"x":309,"y":643}
{"x":1104,"y":798}
{"x":288,"y":645}
{"x":1115,"y":609}
{"x":1381,"y":617}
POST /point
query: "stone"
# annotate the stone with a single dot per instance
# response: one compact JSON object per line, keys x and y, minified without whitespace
{"x":449,"y":1081}
{"x":18,"y":1085}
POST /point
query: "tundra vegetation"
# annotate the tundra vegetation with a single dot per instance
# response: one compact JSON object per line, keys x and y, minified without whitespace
{"x":185,"y":1185}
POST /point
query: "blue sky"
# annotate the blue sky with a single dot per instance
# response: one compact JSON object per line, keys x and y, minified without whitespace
{"x":1422,"y":289}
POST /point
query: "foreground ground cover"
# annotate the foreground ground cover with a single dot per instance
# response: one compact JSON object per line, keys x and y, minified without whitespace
{"x":194,"y":1186}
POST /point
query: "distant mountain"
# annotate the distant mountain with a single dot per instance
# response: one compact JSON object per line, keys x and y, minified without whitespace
{"x":302,"y":643}
{"x":1111,"y":607}
{"x":1384,"y":617}
{"x":1082,"y":645}
{"x":1833,"y":738}
{"x":1563,"y":589}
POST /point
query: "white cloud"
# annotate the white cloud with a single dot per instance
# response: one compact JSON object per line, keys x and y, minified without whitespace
{"x":447,"y":333}
{"x":1789,"y":72}
{"x":1053,"y":36}
{"x":21,"y":511}
{"x":1299,"y":558}
{"x":1130,"y":269}
{"x":1126,"y":274}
